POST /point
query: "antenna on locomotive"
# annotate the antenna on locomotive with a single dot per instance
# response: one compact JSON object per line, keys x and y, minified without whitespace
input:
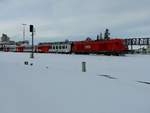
{"x":97,"y":37}
{"x":107,"y":34}
{"x":101,"y":36}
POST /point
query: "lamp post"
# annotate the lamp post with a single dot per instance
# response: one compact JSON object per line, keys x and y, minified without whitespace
{"x":24,"y":31}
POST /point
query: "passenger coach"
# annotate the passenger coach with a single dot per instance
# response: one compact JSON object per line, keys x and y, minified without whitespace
{"x":60,"y":47}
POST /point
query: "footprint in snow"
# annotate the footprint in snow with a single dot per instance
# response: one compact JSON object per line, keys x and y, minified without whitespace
{"x":107,"y":76}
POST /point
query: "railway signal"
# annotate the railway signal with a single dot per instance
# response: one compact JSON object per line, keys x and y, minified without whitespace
{"x":32,"y":31}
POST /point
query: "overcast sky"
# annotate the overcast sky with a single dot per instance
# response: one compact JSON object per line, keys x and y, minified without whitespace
{"x":75,"y":19}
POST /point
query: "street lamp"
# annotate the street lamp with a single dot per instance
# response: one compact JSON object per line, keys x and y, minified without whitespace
{"x":24,"y":31}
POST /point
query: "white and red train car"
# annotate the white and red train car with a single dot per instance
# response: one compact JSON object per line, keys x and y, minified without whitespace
{"x":55,"y":47}
{"x":8,"y":48}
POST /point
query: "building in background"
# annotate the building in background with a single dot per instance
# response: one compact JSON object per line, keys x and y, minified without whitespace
{"x":5,"y":40}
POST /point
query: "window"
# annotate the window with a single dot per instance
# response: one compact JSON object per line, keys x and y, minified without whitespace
{"x":59,"y":47}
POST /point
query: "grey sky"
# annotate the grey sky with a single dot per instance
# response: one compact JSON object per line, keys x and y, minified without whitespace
{"x":75,"y":19}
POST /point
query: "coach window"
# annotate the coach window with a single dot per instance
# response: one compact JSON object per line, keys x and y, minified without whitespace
{"x":59,"y":47}
{"x":63,"y":47}
{"x":53,"y":47}
{"x":56,"y":47}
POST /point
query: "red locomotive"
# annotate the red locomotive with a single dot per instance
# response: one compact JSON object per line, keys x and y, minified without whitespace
{"x":111,"y":46}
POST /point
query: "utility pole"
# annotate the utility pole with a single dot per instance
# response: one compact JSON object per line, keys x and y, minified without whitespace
{"x":24,"y":31}
{"x":32,"y":31}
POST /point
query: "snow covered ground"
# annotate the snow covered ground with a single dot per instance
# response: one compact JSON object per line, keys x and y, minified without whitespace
{"x":56,"y":84}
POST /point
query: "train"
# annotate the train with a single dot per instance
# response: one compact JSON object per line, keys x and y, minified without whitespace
{"x":108,"y":47}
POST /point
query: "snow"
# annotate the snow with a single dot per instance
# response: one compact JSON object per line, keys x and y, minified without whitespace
{"x":55,"y":83}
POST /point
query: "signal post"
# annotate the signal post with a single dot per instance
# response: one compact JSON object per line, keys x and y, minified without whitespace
{"x":32,"y":31}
